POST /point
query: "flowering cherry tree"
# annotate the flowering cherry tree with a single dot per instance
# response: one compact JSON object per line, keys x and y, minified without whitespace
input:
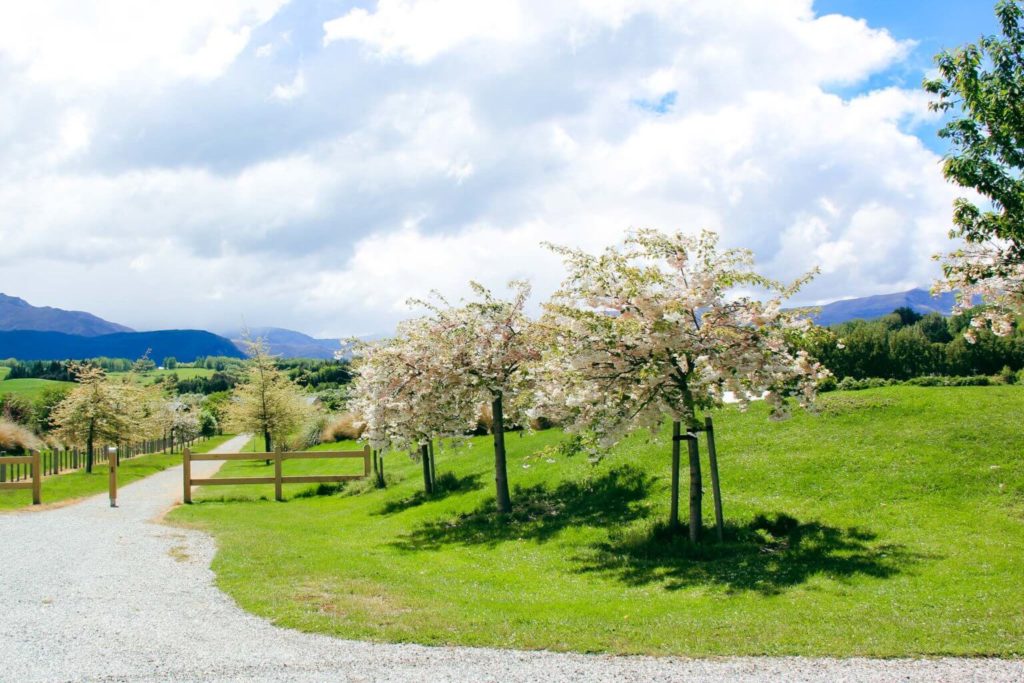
{"x":401,"y":391}
{"x":433,"y":377}
{"x":658,"y":327}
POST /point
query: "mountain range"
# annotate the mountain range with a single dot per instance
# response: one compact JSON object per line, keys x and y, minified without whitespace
{"x":868,"y":307}
{"x":287,"y":343}
{"x":43,"y":333}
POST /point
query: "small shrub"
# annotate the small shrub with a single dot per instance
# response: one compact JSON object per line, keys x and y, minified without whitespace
{"x":1007,"y":375}
{"x":828,"y":384}
{"x":852,"y":384}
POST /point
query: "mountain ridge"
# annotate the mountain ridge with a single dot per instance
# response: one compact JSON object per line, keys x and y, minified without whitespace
{"x":185,"y":345}
{"x":18,"y":314}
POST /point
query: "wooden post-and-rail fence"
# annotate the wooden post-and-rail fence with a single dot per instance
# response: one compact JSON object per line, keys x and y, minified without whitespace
{"x":24,"y":472}
{"x":278,"y":480}
{"x":32,"y":461}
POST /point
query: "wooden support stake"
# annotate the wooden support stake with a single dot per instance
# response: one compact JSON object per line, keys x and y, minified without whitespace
{"x":278,"y":489}
{"x":716,"y":491}
{"x":366,"y":460}
{"x":673,"y":514}
{"x":186,"y":471}
{"x":37,"y":479}
{"x":696,"y":488}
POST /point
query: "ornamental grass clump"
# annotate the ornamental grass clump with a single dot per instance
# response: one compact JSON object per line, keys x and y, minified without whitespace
{"x":16,"y":438}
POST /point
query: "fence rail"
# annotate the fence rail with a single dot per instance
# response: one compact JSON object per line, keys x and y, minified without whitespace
{"x":15,"y":469}
{"x":278,"y":480}
{"x":33,"y":462}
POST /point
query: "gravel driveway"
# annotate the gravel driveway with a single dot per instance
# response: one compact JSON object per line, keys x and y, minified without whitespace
{"x":94,"y":593}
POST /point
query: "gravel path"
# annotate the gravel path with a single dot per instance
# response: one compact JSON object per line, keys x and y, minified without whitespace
{"x":94,"y":593}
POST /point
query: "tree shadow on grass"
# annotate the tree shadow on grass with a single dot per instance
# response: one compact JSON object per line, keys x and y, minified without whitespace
{"x":767,"y":555}
{"x":321,"y":489}
{"x":445,"y":485}
{"x":616,"y":497}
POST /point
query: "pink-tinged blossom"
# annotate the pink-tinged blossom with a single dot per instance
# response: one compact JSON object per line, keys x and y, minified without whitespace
{"x":990,"y":271}
{"x":431,"y":379}
{"x":653,"y":329}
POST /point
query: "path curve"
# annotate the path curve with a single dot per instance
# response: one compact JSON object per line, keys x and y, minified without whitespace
{"x":94,"y":593}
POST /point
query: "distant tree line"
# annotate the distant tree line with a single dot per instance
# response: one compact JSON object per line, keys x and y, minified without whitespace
{"x":906,"y":344}
{"x":316,"y":373}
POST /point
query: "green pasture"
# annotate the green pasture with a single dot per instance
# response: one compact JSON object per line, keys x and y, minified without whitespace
{"x":890,"y":524}
{"x":30,"y":389}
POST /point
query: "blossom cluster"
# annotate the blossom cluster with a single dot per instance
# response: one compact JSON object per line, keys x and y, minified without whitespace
{"x":654,"y":328}
{"x":431,"y":379}
{"x":992,"y":272}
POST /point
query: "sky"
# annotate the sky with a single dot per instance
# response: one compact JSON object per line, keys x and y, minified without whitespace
{"x":313,"y":165}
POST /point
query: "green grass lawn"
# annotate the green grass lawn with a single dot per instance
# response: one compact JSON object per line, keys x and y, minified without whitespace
{"x":890,"y":524}
{"x":29,"y":388}
{"x":78,"y":484}
{"x":153,"y":375}
{"x":4,"y":371}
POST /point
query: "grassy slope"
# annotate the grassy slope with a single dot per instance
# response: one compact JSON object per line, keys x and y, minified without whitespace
{"x":29,"y":388}
{"x":4,"y":371}
{"x":909,"y":504}
{"x":80,"y":485}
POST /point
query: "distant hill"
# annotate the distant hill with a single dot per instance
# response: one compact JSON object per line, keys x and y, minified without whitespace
{"x":289,"y":343}
{"x":869,"y":307}
{"x":18,"y":314}
{"x":185,"y":345}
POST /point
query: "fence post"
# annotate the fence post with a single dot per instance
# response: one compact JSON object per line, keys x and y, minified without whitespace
{"x":709,"y":428}
{"x":37,"y":479}
{"x":112,"y":469}
{"x":186,"y":471}
{"x":366,"y":460}
{"x":278,"y":489}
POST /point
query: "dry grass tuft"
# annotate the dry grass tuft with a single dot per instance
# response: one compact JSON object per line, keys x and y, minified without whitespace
{"x":14,"y":437}
{"x":345,"y":426}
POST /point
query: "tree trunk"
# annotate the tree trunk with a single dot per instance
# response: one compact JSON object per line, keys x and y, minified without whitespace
{"x":428,"y":485}
{"x":504,"y":500}
{"x":696,"y":488}
{"x":433,"y":465}
{"x":267,"y":444}
{"x":88,"y":451}
{"x":673,"y":513}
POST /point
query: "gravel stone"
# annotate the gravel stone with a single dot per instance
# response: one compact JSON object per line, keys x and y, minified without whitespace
{"x":93,"y":593}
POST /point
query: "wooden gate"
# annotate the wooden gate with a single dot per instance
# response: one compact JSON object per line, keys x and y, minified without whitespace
{"x":278,"y":480}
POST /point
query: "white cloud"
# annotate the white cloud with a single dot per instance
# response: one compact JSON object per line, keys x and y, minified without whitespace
{"x":289,"y":91}
{"x":74,"y":44}
{"x":446,"y":139}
